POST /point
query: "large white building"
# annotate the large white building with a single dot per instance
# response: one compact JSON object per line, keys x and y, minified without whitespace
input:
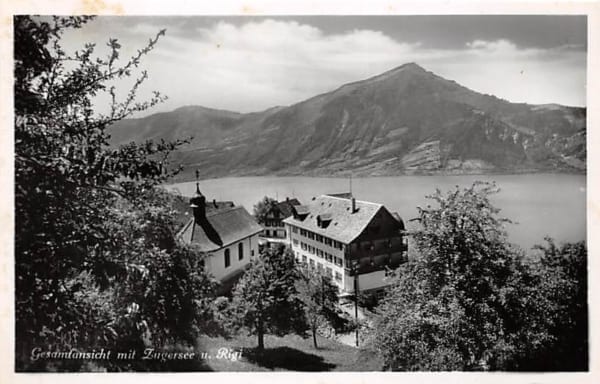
{"x":354,"y":242}
{"x":228,"y":236}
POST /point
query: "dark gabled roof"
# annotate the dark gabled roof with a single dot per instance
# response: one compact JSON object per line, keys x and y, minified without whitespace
{"x":345,"y":226}
{"x":218,"y":205}
{"x":285,"y":207}
{"x":396,"y":216}
{"x":220,"y":229}
{"x":183,"y":211}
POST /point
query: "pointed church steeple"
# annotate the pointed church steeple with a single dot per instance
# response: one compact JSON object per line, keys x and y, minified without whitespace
{"x":198,"y":202}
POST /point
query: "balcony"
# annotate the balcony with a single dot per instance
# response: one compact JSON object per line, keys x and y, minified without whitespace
{"x":377,"y":263}
{"x":376,"y":249}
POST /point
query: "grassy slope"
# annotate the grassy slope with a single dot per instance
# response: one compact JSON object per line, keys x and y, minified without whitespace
{"x":288,"y":353}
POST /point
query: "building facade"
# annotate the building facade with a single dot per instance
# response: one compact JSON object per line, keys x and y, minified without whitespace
{"x":273,"y":225}
{"x":354,"y":242}
{"x":226,"y":235}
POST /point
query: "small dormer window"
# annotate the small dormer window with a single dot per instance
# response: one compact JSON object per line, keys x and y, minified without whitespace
{"x":323,"y":220}
{"x":300,"y":212}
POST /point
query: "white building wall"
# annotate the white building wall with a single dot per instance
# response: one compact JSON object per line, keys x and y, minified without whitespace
{"x":296,"y":239}
{"x":215,"y":263}
{"x":366,"y":281}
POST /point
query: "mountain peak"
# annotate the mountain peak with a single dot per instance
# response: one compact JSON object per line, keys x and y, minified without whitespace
{"x":410,"y":67}
{"x":405,"y":69}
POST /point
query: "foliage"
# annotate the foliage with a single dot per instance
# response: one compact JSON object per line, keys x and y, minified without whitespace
{"x":442,"y":313}
{"x":266,"y":300}
{"x":470,"y":302}
{"x":319,"y":296}
{"x":416,"y":332}
{"x":96,"y":260}
{"x":262,"y":209}
{"x":565,"y":284}
{"x":561,"y":283}
{"x":369,"y":300}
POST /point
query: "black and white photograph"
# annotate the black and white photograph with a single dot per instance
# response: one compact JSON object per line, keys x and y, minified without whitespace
{"x":300,"y":193}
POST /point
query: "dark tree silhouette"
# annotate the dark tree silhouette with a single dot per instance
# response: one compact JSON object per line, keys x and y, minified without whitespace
{"x":96,"y":260}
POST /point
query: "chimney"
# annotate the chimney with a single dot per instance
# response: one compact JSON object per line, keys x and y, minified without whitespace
{"x":198,"y":205}
{"x":353,"y":204}
{"x":287,"y":199}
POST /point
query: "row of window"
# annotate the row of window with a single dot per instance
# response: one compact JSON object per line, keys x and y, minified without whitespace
{"x":319,"y":252}
{"x":273,"y":223}
{"x":328,"y":271}
{"x":240,"y":254}
{"x":320,"y":238}
{"x":274,"y":233}
{"x":380,"y":244}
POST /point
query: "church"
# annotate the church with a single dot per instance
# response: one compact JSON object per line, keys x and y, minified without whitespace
{"x":226,"y":234}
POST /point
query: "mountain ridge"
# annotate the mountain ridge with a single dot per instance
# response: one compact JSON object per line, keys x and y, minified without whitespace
{"x":404,"y":121}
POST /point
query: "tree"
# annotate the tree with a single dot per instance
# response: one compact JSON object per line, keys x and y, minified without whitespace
{"x":444,"y":310}
{"x":545,"y":310}
{"x":472,"y":301}
{"x":320,"y":298}
{"x":96,"y":259}
{"x":263,"y":208}
{"x":163,"y":279}
{"x":561,"y":284}
{"x":265,"y":300}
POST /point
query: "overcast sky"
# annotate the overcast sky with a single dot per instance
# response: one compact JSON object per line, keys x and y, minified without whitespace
{"x":249,"y":64}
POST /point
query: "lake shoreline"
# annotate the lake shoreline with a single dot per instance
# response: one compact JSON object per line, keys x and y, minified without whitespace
{"x":540,"y":204}
{"x":338,"y":176}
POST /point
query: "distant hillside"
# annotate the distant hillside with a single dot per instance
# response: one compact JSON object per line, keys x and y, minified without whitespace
{"x":404,"y":121}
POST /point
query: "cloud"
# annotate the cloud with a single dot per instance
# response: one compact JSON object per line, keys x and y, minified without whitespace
{"x":501,"y":45}
{"x":533,"y":75}
{"x":253,"y":63}
{"x":259,"y":64}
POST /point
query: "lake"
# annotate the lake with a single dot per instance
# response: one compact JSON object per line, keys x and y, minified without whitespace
{"x":539,"y":204}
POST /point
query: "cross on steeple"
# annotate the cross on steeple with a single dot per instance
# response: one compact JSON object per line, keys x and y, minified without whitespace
{"x":198,"y":182}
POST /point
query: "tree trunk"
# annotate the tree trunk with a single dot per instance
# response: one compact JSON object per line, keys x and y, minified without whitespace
{"x":314,"y":332}
{"x":261,"y":341}
{"x":261,"y":335}
{"x":260,"y":328}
